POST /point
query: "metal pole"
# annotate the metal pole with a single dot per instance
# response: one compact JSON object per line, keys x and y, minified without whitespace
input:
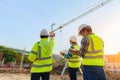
{"x":1,"y":56}
{"x":52,"y":27}
{"x":64,"y":68}
{"x":21,"y":64}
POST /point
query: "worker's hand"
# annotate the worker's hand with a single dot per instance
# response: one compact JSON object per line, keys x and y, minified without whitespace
{"x":52,"y":34}
{"x":61,"y":53}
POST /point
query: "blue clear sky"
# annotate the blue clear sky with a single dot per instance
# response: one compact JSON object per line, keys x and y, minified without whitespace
{"x":22,"y":20}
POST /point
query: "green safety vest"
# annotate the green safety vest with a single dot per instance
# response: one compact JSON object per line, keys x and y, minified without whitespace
{"x":41,"y":56}
{"x":94,"y":55}
{"x":75,"y":60}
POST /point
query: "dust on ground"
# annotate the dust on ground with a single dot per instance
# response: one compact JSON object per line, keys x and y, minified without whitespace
{"x":8,"y":76}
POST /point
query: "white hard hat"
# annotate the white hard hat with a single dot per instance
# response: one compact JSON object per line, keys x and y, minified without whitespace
{"x":83,"y":26}
{"x":73,"y":39}
{"x":44,"y":32}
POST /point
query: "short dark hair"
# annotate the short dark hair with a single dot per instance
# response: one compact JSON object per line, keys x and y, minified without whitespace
{"x":87,"y":28}
{"x":43,"y":36}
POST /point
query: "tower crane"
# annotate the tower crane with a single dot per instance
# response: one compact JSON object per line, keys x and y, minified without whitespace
{"x":82,"y":15}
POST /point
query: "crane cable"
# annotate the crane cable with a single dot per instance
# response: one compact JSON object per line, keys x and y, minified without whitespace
{"x":83,"y":14}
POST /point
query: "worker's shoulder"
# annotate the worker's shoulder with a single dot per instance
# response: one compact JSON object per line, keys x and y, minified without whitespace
{"x":85,"y":39}
{"x":99,"y":37}
{"x":36,"y":43}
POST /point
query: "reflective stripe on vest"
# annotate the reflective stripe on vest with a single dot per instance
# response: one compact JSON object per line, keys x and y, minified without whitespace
{"x":74,"y":61}
{"x":93,"y":51}
{"x":40,"y":58}
{"x":94,"y":56}
{"x":74,"y":57}
{"x":33,"y":52}
{"x":92,"y":46}
{"x":39,"y":54}
{"x":39,"y":66}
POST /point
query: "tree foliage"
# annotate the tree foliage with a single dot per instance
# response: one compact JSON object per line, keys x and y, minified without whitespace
{"x":10,"y":56}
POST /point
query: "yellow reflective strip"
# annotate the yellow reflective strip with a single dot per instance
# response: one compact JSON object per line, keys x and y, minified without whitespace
{"x":96,"y":51}
{"x":92,"y":43}
{"x":33,"y":52}
{"x":92,"y":57}
{"x":39,"y":51}
{"x":44,"y":58}
{"x":74,"y":60}
{"x":74,"y":57}
{"x":92,"y":46}
{"x":39,"y":66}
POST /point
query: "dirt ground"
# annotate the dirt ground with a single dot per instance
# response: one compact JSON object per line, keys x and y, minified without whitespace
{"x":19,"y":76}
{"x":8,"y":76}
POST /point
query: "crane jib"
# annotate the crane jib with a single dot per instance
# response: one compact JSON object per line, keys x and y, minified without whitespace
{"x":83,"y":14}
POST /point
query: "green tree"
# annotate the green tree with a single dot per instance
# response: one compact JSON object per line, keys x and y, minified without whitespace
{"x":2,"y":48}
{"x":12,"y":56}
{"x":9,"y":56}
{"x":18,"y":58}
{"x":26,"y":61}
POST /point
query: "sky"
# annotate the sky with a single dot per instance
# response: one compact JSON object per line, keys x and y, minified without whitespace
{"x":22,"y":20}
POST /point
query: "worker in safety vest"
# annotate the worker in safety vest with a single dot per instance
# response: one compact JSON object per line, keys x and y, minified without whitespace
{"x":41,"y":56}
{"x":92,"y":54}
{"x":74,"y":60}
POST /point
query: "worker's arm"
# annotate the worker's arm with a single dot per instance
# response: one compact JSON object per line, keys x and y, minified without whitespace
{"x":73,"y":50}
{"x":52,"y":41}
{"x":68,"y":55}
{"x":33,"y":54}
{"x":84,"y":47}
